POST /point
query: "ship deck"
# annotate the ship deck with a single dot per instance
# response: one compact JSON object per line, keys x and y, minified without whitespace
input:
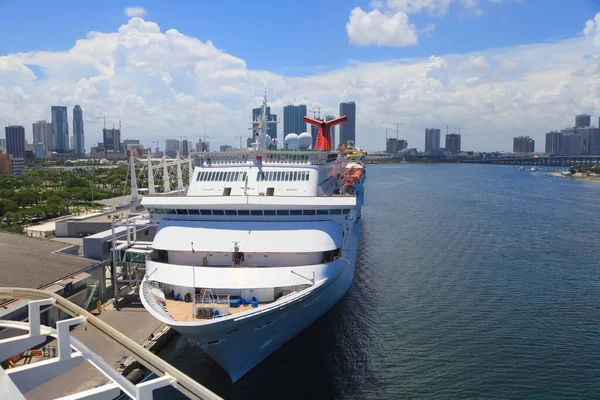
{"x":183,"y":312}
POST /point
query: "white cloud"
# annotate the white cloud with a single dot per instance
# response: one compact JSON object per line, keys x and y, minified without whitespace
{"x":166,"y":83}
{"x":592,"y":29}
{"x":382,"y":29}
{"x":388,"y":24}
{"x":474,"y":64}
{"x":135,"y":11}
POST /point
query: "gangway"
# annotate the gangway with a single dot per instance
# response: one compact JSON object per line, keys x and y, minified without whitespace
{"x":72,"y":352}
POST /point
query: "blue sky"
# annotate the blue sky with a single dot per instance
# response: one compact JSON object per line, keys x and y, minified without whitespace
{"x":292,"y":37}
{"x":497,"y":68}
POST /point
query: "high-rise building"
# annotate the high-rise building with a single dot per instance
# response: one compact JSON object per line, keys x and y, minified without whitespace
{"x":348,"y":129}
{"x":3,"y":143}
{"x":293,"y":119}
{"x":111,"y":139}
{"x":15,"y":141}
{"x":582,"y":120}
{"x":271,"y":128}
{"x":172,"y":146}
{"x":393,"y":145}
{"x":453,"y":143}
{"x":60,"y":128}
{"x":590,"y":139}
{"x":523,"y":144}
{"x":42,"y":133}
{"x":5,"y":163}
{"x":40,"y":150}
{"x":554,"y":143}
{"x":571,"y":144}
{"x":185,"y":150}
{"x":432,"y":140}
{"x":78,"y":135}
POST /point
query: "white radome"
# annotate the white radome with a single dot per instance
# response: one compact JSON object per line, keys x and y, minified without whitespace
{"x":305,"y":140}
{"x":292,"y":141}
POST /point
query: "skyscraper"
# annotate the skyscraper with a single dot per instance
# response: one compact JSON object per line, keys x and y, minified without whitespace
{"x":453,"y":143}
{"x":271,"y":128}
{"x":42,"y":133}
{"x":582,"y":120}
{"x":15,"y":141}
{"x":60,"y":128}
{"x":293,"y":119}
{"x":172,"y":146}
{"x":112,"y":140}
{"x":432,"y":140}
{"x":523,"y":144}
{"x":348,"y":129}
{"x":553,"y":143}
{"x":78,"y":137}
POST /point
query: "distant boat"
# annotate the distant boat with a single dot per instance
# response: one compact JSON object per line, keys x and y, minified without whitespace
{"x":522,"y":169}
{"x":533,"y":169}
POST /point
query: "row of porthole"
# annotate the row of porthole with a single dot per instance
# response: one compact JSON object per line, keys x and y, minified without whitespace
{"x":185,"y":211}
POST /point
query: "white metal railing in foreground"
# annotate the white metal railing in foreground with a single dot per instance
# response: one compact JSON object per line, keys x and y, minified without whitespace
{"x":71,"y":352}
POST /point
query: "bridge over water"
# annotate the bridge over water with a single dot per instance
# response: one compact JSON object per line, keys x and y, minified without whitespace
{"x":557,"y":161}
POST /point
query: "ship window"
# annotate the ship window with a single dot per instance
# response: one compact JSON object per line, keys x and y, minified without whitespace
{"x":296,"y":175}
{"x":244,"y":176}
{"x":218,"y":212}
{"x":227,"y":191}
{"x":198,"y":176}
{"x":236,"y":177}
{"x":322,"y":212}
{"x":223,"y":175}
{"x":210,"y":175}
{"x":159,"y":210}
{"x":150,"y":210}
{"x":270,"y":191}
{"x":228,"y":178}
{"x":335,"y":211}
{"x":230,"y":212}
{"x":279,"y":176}
{"x":308,"y":212}
{"x":256,"y":212}
{"x":295,"y":212}
{"x":181,"y":211}
{"x":194,"y":212}
{"x":243,"y":212}
{"x":205,"y":176}
{"x":170,"y":211}
{"x":346,"y":211}
{"x":269,"y":212}
{"x":205,"y":212}
{"x":215,"y":176}
{"x":283,"y":212}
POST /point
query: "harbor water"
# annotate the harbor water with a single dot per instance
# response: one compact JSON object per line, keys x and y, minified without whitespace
{"x":471,"y":281}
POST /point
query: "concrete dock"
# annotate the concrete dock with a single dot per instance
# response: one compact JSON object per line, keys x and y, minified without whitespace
{"x":132,"y":320}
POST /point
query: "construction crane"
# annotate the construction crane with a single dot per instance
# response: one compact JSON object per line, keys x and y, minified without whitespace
{"x":240,"y":137}
{"x":317,"y":112}
{"x":157,"y":145}
{"x":107,"y":116}
{"x":459,"y":129}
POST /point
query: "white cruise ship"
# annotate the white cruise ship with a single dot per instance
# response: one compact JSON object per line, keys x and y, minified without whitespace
{"x":261,"y":244}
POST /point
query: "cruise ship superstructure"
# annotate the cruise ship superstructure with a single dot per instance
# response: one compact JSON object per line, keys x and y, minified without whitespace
{"x":261,"y":244}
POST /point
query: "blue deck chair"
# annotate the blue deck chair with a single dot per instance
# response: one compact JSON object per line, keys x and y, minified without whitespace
{"x":254,"y":302}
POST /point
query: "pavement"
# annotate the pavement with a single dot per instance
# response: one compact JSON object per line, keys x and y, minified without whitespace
{"x":132,"y":320}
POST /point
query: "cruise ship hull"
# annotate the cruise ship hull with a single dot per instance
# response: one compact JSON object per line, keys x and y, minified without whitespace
{"x":238,"y":345}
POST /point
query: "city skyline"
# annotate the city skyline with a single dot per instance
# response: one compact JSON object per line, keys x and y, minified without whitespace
{"x":496,"y":88}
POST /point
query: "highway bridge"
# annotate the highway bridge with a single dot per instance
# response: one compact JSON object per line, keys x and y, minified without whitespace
{"x":555,"y":161}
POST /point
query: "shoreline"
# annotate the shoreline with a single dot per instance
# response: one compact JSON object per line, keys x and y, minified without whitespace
{"x":580,"y":178}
